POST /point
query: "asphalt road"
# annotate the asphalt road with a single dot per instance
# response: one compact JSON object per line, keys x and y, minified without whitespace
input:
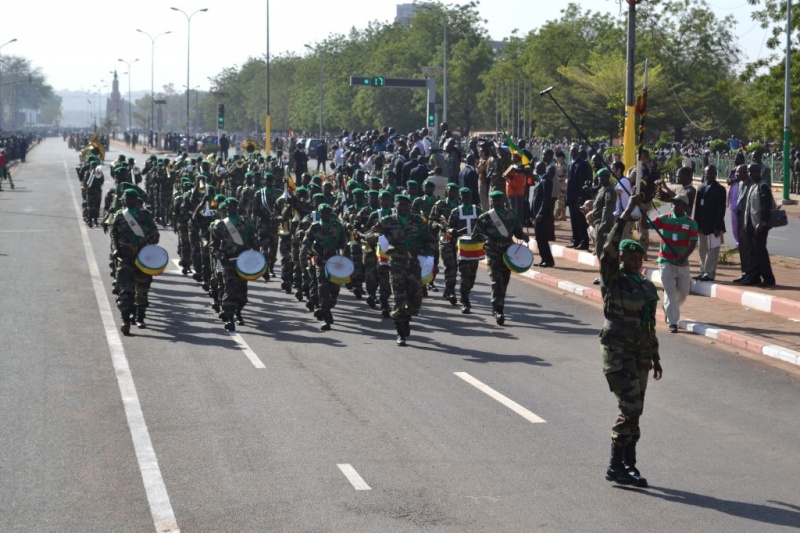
{"x":238,"y":447}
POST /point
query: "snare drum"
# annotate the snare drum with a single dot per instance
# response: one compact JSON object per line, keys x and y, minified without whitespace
{"x":470,"y":249}
{"x":152,"y":260}
{"x":251,"y":265}
{"x":382,"y":250}
{"x":339,"y":269}
{"x":518,"y":257}
{"x":426,"y":268}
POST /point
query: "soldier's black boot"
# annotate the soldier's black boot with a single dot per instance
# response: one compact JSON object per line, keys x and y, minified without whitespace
{"x":197,"y":276}
{"x":358,"y":292}
{"x":451,"y":295}
{"x":385,"y":311}
{"x":466,"y":307}
{"x":239,"y":319}
{"x":327,"y":320}
{"x":401,"y":333}
{"x":371,"y":301}
{"x":286,"y":286}
{"x":299,"y":295}
{"x":230,"y":325}
{"x":629,"y":460}
{"x":126,"y":322}
{"x":140,"y":323}
{"x":499,"y":316}
{"x":617,"y":473}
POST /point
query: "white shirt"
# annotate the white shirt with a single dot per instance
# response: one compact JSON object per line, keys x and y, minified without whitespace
{"x":623,"y":188}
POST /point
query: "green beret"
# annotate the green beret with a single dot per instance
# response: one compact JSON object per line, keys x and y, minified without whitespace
{"x":279,"y":152}
{"x":249,"y":174}
{"x":319,"y":196}
{"x":117,"y":169}
{"x":428,"y":182}
{"x":402,"y":198}
{"x":452,"y":185}
{"x":497,"y":194}
{"x":269,"y":176}
{"x":324,"y":207}
{"x":375,"y":179}
{"x":231,"y":200}
{"x":220,"y":198}
{"x":629,"y":245}
{"x":301,"y":190}
{"x":374,"y":192}
{"x":358,"y":191}
{"x":132,"y":193}
{"x":314,"y":187}
{"x":465,"y":190}
{"x":353,"y":183}
{"x":131,"y":160}
{"x":385,"y":194}
{"x":360,"y":172}
{"x":412,"y":182}
{"x":603,"y":172}
{"x":391,"y":173}
{"x":153,"y":156}
{"x":121,"y":157}
{"x":317,"y":179}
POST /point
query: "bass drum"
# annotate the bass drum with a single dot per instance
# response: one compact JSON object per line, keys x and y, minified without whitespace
{"x":426,"y":268}
{"x":152,"y":260}
{"x":518,"y":257}
{"x":339,"y":269}
{"x":251,"y":265}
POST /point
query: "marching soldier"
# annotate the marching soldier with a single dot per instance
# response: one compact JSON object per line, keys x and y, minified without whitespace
{"x":204,"y":214}
{"x":232,"y":236}
{"x":308,"y":272}
{"x":94,"y":193}
{"x":409,"y":237}
{"x":181,"y":214}
{"x":131,"y":229}
{"x":369,"y":261}
{"x":381,"y":274}
{"x":461,"y":224}
{"x":302,"y":208}
{"x":496,"y":228}
{"x":217,"y":282}
{"x":447,"y":247}
{"x":628,"y":343}
{"x":324,"y":238}
{"x":354,"y":245}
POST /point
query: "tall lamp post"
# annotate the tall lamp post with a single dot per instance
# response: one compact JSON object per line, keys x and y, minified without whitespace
{"x":1,"y":79}
{"x":320,"y":85}
{"x":152,"y":76}
{"x":195,"y":88}
{"x":130,"y":114}
{"x":444,"y":57}
{"x":188,"y":49}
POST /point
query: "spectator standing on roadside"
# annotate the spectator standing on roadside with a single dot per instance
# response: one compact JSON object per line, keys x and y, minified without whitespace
{"x":678,"y":241}
{"x":469,"y":178}
{"x":300,"y":159}
{"x":757,"y":213}
{"x":560,"y":186}
{"x":322,"y":155}
{"x":709,"y":213}
{"x":733,"y":196}
{"x":745,"y":256}
{"x":579,"y":175}
{"x":224,"y":146}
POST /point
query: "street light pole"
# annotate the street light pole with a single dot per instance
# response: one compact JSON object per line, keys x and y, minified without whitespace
{"x":130,"y":73}
{"x":152,"y":76}
{"x":320,"y":86}
{"x":1,"y":79}
{"x":188,"y":49}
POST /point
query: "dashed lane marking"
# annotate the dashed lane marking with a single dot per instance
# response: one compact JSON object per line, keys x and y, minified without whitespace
{"x":511,"y":404}
{"x":352,"y":476}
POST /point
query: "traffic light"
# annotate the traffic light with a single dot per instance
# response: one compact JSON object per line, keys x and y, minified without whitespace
{"x":431,"y":115}
{"x":356,"y":81}
{"x":378,"y":81}
{"x":221,"y":116}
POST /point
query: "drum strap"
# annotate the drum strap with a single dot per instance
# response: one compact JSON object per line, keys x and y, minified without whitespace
{"x":135,"y":227}
{"x":498,"y":223}
{"x":468,"y":218}
{"x":235,"y":235}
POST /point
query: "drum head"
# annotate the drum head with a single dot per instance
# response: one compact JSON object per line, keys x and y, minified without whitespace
{"x":426,"y":268}
{"x":152,"y":260}
{"x":339,"y":269}
{"x":518,"y":257}
{"x":251,"y":265}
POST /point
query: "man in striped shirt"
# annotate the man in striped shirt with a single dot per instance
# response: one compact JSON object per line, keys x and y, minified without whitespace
{"x":678,"y":241}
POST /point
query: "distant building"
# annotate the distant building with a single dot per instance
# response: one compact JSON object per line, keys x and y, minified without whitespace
{"x":115,"y":108}
{"x":406,"y":12}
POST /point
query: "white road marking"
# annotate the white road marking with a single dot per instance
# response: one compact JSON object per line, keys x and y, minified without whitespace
{"x":154,"y":487}
{"x":240,"y":342}
{"x":353,"y":477}
{"x":511,"y":404}
{"x":246,"y":349}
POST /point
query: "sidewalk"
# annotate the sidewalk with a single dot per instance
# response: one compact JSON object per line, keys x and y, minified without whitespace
{"x":764,"y":321}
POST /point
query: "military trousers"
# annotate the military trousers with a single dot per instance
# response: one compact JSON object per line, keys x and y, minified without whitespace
{"x":234,"y":294}
{"x":627,"y":375}
{"x":468,"y":270}
{"x":406,"y":279}
{"x":447,"y":251}
{"x":500,"y":275}
{"x":133,"y":285}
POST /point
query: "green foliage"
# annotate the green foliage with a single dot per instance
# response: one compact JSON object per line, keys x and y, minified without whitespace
{"x":719,"y":145}
{"x":753,"y":146}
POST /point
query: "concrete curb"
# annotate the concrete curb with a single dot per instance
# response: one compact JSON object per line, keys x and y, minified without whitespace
{"x":759,"y":301}
{"x":724,"y":336}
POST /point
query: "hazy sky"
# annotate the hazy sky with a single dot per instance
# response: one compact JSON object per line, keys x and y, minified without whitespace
{"x":78,"y":43}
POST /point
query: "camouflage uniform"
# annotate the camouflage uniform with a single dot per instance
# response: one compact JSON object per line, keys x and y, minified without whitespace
{"x":407,"y":240}
{"x":323,"y":240}
{"x":94,"y":194}
{"x":468,"y":269}
{"x":369,"y":261}
{"x":133,"y":284}
{"x":628,"y":338}
{"x":353,"y":250}
{"x":382,"y":279}
{"x":234,"y":296}
{"x":202,"y":218}
{"x":495,"y":245}
{"x":268,"y":223}
{"x":447,"y":246}
{"x":180,"y":217}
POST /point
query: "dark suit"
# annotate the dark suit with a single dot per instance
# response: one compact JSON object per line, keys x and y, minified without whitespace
{"x":542,"y":214}
{"x":759,"y":207}
{"x":407,"y":168}
{"x":468,"y":177}
{"x":579,"y":174}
